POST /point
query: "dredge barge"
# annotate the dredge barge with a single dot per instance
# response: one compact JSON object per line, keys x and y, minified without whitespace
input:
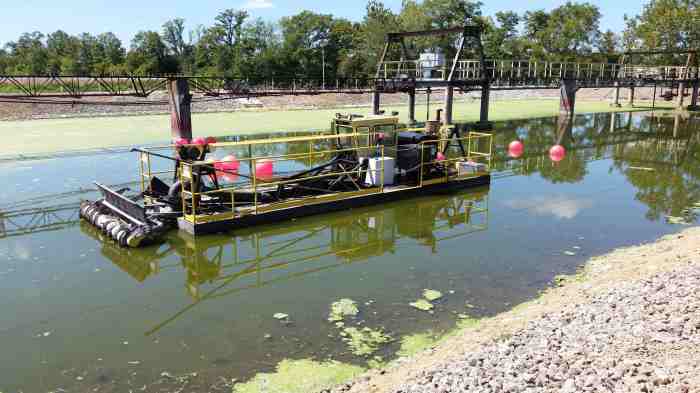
{"x":363,"y":161}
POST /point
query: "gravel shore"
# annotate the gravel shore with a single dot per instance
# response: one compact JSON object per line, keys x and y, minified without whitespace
{"x":629,"y":322}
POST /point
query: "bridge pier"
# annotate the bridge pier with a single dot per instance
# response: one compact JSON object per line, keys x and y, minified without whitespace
{"x":681,"y":98}
{"x":180,"y":101}
{"x":484,"y":123}
{"x":616,"y":96}
{"x":630,"y":98}
{"x":567,"y":100}
{"x":449,"y":98}
{"x":694,"y":97}
{"x":412,"y":106}
{"x":376,"y":100}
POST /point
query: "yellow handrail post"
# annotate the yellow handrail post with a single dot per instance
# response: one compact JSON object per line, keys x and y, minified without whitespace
{"x":182,"y":196}
{"x":254,"y":171}
{"x":381,"y":177}
{"x":141,"y":174}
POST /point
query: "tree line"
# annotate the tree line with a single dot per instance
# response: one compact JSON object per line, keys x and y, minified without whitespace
{"x":308,"y":43}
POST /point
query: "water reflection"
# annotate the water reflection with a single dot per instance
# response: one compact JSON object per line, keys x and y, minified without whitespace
{"x":586,"y":139}
{"x":222,"y":265}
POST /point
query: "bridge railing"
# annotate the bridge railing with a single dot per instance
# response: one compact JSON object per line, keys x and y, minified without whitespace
{"x":532,"y":72}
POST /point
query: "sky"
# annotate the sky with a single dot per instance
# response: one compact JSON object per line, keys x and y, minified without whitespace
{"x":126,"y":17}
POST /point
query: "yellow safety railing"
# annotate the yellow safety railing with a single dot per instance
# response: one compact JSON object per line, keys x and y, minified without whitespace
{"x":195,"y":196}
{"x":255,"y":183}
{"x":476,"y":157}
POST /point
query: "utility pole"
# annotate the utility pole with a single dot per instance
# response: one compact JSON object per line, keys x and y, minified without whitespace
{"x":323,"y":66}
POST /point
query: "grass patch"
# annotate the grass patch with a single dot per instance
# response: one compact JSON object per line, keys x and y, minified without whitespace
{"x":42,"y":136}
{"x":300,"y":376}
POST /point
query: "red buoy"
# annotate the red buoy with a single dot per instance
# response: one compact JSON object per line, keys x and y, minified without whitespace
{"x":229,"y":164}
{"x":516,"y":149}
{"x":264,"y":169}
{"x":557,"y":153}
{"x":181,"y":141}
{"x":199,"y":141}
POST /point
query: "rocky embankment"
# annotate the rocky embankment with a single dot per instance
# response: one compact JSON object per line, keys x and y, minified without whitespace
{"x":630,"y":322}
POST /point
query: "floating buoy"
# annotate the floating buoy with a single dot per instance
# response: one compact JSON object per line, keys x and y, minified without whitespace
{"x":441,"y":157}
{"x":210,"y":140}
{"x":181,"y":141}
{"x":264,"y":169}
{"x":515,"y":149}
{"x":557,"y":153}
{"x":228,"y":164}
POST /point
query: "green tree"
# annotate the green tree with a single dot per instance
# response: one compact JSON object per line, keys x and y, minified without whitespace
{"x":609,"y":42}
{"x":4,"y":61}
{"x":665,"y":24}
{"x":566,"y":33}
{"x":501,"y":39}
{"x":111,"y":55}
{"x":306,"y":37}
{"x":261,"y":47}
{"x":227,"y":34}
{"x":61,"y":47}
{"x":174,"y":38}
{"x":378,"y":21}
{"x":30,"y":54}
{"x":149,"y":55}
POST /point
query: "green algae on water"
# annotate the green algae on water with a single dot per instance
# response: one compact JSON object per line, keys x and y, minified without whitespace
{"x":365,"y":341}
{"x":466,"y":321}
{"x":415,"y":343}
{"x":431,"y":294}
{"x":300,"y":376}
{"x":422,"y":304}
{"x":341,"y":309}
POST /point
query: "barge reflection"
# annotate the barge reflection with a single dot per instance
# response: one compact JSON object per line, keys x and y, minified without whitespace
{"x":223,"y":265}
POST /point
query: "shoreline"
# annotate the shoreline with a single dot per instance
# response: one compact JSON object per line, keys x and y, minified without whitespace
{"x":618,"y":269}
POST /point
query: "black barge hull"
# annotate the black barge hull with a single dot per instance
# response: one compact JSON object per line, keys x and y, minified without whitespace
{"x":330,"y":206}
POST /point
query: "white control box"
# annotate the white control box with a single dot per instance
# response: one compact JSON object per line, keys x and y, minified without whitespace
{"x":374,"y":171}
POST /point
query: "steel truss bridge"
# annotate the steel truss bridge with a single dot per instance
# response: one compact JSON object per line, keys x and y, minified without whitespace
{"x":394,"y":76}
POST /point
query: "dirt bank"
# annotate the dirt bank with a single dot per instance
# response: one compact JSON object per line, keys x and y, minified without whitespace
{"x":157,"y":103}
{"x":629,"y":321}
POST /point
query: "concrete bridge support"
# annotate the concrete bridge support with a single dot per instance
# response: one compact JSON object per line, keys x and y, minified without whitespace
{"x":616,"y":96}
{"x":694,"y":97}
{"x":376,"y":101}
{"x":681,"y":98}
{"x":449,"y":101}
{"x":630,"y":98}
{"x":180,"y":101}
{"x":412,"y":106}
{"x":567,"y":101}
{"x":484,"y":123}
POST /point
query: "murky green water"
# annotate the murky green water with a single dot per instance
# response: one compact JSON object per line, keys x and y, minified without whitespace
{"x":81,"y":314}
